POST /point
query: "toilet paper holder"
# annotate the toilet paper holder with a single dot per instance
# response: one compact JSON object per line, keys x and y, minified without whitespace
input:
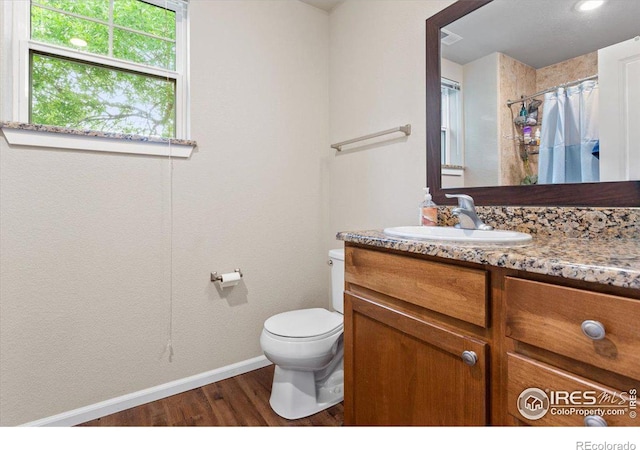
{"x":215,"y":276}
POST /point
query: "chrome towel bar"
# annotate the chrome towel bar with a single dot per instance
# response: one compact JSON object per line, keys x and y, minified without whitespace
{"x":406,"y":129}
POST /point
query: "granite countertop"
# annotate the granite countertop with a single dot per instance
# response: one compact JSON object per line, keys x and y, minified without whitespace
{"x":611,"y":261}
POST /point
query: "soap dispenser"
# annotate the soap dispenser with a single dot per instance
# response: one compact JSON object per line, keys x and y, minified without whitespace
{"x":428,"y":210}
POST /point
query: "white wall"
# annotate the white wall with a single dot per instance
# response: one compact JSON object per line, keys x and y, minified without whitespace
{"x":451,"y":70}
{"x":84,"y":237}
{"x":377,"y":81}
{"x":482,"y":165}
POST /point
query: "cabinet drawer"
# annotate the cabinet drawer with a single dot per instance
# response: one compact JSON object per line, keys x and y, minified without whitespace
{"x":458,"y":292}
{"x":551,"y":317}
{"x":569,"y":398}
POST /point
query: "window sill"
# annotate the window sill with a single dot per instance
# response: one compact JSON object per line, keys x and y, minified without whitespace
{"x":32,"y":135}
{"x":452,"y":170}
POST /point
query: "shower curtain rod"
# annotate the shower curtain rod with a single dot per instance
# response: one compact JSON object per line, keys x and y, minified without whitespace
{"x":571,"y":83}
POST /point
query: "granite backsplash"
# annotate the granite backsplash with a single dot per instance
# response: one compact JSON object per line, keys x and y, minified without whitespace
{"x":572,"y":222}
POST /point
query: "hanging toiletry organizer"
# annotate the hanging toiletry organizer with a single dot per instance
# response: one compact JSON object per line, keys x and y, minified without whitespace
{"x":528,"y":125}
{"x":527,"y":136}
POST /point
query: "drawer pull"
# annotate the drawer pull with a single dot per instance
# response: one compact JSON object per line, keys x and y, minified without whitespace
{"x":594,"y":421}
{"x":470,"y":358}
{"x":593,"y":329}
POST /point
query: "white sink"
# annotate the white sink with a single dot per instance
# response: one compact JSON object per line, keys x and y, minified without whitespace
{"x":459,"y":235}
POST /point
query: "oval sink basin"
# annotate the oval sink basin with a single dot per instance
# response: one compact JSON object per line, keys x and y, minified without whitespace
{"x":459,"y":235}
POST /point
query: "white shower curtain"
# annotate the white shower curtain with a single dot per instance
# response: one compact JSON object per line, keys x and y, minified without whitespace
{"x":569,"y":138}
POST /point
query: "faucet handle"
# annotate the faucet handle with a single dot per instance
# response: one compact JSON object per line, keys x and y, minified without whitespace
{"x":464,"y":201}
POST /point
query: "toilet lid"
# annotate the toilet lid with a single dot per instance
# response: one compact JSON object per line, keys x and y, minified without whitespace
{"x":303,"y":323}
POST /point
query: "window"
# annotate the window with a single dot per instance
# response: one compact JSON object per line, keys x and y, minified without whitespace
{"x":107,"y":65}
{"x":451,"y":131}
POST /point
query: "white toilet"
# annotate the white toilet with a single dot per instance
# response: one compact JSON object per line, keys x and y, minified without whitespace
{"x":306,"y":347}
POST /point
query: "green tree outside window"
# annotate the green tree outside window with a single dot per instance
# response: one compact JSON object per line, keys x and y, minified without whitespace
{"x":74,"y":93}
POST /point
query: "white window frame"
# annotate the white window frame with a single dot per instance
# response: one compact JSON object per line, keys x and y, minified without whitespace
{"x":17,"y":14}
{"x":445,"y":135}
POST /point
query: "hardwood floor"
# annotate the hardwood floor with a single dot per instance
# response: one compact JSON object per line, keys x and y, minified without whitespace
{"x":239,"y":401}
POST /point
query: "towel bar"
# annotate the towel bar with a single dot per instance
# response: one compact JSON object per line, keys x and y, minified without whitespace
{"x":406,"y":129}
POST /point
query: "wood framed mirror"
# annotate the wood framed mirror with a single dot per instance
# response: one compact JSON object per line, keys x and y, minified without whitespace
{"x":601,"y":194}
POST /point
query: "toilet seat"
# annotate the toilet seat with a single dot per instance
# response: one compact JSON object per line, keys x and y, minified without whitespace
{"x":304,"y":323}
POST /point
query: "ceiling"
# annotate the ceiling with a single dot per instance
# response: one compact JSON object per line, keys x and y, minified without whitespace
{"x":327,"y":5}
{"x":541,"y":32}
{"x":538,"y":33}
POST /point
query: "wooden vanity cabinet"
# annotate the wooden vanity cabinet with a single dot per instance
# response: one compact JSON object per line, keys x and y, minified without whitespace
{"x":405,"y":364}
{"x":580,"y":346}
{"x":432,"y":341}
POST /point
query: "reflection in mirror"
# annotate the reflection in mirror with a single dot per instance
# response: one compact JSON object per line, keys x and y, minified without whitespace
{"x":603,"y":193}
{"x":541,"y":95}
{"x":451,"y":141}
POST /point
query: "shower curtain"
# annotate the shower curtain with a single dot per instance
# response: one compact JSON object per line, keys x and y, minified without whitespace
{"x":569,"y":146}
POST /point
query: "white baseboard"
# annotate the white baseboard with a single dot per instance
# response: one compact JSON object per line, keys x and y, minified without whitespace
{"x":101,"y":409}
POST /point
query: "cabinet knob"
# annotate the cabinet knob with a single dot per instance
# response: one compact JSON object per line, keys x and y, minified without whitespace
{"x":593,"y":329}
{"x":469,"y":358}
{"x":594,"y":421}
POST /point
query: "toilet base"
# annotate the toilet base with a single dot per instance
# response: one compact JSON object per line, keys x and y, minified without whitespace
{"x":296,"y":394}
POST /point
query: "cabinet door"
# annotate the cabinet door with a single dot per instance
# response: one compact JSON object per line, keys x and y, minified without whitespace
{"x":401,"y":370}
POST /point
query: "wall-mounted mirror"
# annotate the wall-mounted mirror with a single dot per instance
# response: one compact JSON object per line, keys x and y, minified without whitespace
{"x":501,"y":77}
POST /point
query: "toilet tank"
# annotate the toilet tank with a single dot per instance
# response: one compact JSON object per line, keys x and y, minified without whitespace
{"x":336,"y":257}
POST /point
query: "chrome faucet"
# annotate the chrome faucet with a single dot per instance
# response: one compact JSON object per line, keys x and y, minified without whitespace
{"x":466,"y":213}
